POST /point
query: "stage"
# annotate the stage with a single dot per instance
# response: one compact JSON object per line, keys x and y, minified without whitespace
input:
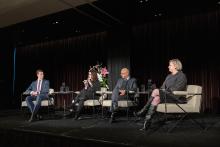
{"x":56,"y":131}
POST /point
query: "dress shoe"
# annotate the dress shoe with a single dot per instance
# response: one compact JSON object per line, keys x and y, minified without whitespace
{"x":112,"y":118}
{"x":147,"y":124}
{"x":136,"y":114}
{"x":32,"y":118}
{"x":76,"y":117}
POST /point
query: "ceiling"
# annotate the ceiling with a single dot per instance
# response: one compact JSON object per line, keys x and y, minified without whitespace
{"x":15,"y":11}
{"x":38,"y":20}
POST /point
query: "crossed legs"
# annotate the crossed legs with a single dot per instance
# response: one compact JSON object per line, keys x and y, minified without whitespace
{"x":34,"y":107}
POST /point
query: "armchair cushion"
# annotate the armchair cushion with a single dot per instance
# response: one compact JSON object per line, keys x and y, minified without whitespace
{"x":180,"y":93}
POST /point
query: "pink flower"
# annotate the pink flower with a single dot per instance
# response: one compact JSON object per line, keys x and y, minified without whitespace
{"x":104,"y":72}
{"x":96,"y":66}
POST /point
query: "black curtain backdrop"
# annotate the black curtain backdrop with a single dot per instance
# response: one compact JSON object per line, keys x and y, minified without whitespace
{"x":119,"y":46}
{"x":6,"y":70}
{"x":145,"y":49}
{"x":192,"y":39}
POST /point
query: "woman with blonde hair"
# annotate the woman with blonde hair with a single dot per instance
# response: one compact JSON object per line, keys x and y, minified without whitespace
{"x":175,"y":81}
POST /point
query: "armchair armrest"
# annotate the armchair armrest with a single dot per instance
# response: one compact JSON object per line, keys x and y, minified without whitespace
{"x":104,"y":92}
{"x":131,"y":92}
{"x":26,"y":93}
{"x":77,"y":92}
{"x":180,"y":92}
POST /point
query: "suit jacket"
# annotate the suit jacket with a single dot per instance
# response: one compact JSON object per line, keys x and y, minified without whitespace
{"x":44,"y":87}
{"x":131,"y":85}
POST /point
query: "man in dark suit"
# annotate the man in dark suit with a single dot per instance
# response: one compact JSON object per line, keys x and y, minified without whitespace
{"x":38,"y":90}
{"x":121,"y":91}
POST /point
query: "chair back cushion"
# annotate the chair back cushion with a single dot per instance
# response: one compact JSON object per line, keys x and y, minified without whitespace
{"x":91,"y":102}
{"x":107,"y":103}
{"x":43,"y":102}
{"x":194,"y":96}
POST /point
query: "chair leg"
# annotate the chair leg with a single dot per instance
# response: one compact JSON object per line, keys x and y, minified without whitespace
{"x":196,"y":122}
{"x":102,"y":111}
{"x":127,"y":113}
{"x":174,"y":126}
{"x":182,"y":118}
{"x":48,"y":107}
{"x":94,"y":111}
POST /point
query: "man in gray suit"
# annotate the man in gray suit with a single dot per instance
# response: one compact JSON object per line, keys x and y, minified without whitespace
{"x":38,"y":90}
{"x":121,"y":90}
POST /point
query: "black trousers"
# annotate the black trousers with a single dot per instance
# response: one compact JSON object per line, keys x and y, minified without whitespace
{"x":168,"y":97}
{"x":83,"y":96}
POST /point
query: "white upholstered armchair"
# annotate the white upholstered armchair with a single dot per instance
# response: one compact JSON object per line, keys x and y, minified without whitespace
{"x":193,"y":104}
{"x":46,"y":102}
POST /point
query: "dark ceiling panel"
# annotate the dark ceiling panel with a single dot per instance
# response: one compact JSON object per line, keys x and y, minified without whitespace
{"x":102,"y":15}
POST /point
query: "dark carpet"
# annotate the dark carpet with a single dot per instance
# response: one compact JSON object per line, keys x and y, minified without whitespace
{"x":55,"y":131}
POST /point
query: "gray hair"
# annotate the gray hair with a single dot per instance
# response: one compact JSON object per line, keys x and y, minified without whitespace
{"x":177,"y":63}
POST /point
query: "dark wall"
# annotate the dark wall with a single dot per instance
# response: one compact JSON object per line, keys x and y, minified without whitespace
{"x":6,"y":62}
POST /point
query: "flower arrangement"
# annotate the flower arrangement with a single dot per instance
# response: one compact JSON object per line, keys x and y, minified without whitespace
{"x":102,"y":73}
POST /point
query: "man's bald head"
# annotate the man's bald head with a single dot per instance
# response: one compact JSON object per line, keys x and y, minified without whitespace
{"x":124,"y":73}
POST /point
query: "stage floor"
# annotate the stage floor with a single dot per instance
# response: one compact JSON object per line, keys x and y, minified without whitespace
{"x":98,"y":131}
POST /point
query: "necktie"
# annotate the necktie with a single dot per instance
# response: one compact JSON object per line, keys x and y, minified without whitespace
{"x":38,"y":85}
